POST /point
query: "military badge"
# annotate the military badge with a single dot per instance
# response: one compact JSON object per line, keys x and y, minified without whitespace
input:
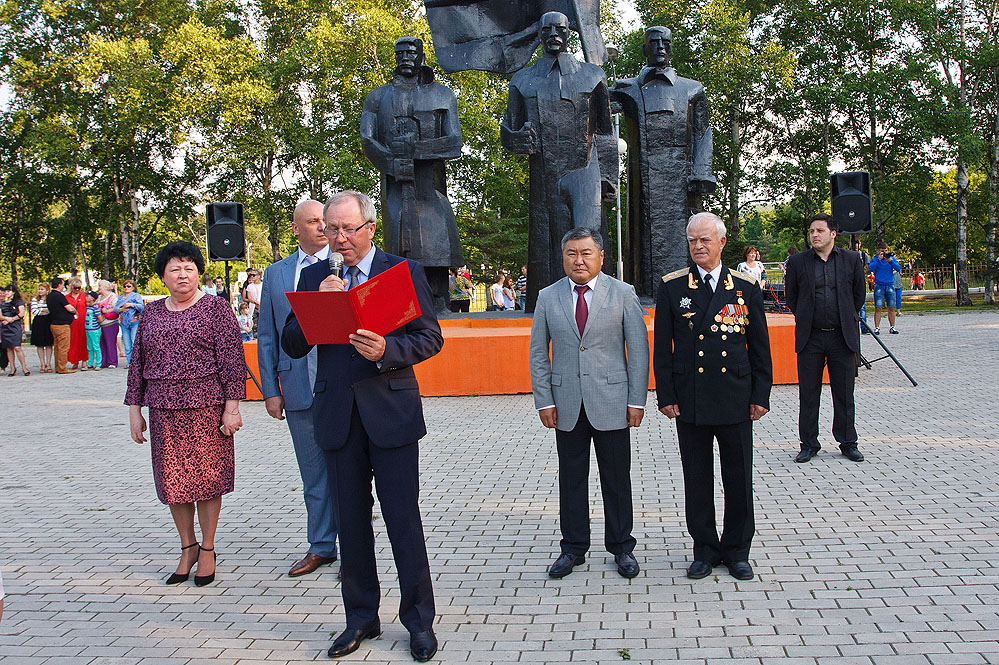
{"x":684,"y":303}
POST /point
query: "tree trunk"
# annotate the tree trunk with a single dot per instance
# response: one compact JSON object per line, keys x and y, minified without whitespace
{"x":132,"y":264}
{"x":106,"y":274}
{"x":962,"y":232}
{"x":15,"y":241}
{"x":733,"y":192}
{"x":991,"y":274}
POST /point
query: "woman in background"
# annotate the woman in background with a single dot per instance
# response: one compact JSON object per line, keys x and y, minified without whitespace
{"x":188,"y":369}
{"x":129,"y":307}
{"x":751,"y":265}
{"x":77,"y":297}
{"x":12,"y":328}
{"x":107,"y":302}
{"x":41,"y":328}
{"x":509,"y":297}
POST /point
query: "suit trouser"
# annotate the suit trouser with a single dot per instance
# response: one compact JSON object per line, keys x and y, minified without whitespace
{"x":826,"y":348}
{"x":613,"y":448}
{"x":735,"y":452}
{"x":320,"y":508}
{"x":396,"y":472}
{"x":60,"y":344}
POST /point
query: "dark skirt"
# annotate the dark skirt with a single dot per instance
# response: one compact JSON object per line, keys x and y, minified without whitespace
{"x":11,"y":334}
{"x":41,"y":330}
{"x":192,"y":460}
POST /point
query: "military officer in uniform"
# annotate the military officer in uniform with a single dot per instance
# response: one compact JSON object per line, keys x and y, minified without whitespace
{"x":713,"y":376}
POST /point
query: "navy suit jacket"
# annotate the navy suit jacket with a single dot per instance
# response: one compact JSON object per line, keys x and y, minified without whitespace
{"x":279,"y":373}
{"x":387,"y":398}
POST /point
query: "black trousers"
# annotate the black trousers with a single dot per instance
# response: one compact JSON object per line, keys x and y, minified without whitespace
{"x":396,"y":472}
{"x":826,"y":347}
{"x":735,"y":452}
{"x":614,"y":464}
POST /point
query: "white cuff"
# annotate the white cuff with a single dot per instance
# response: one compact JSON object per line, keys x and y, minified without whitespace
{"x":546,"y":407}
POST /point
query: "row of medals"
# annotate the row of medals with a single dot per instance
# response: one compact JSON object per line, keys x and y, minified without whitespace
{"x":731,"y":323}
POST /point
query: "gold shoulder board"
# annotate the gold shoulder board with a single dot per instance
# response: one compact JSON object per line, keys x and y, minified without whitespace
{"x":676,"y":273}
{"x":742,"y":276}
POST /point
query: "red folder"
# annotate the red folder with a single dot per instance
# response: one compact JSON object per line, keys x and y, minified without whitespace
{"x":383,"y":303}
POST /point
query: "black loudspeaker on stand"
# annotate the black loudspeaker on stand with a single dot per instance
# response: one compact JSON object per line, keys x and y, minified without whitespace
{"x":851,"y":201}
{"x":227,"y":242}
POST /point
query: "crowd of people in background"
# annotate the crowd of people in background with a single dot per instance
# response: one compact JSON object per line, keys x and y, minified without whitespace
{"x":95,"y":328}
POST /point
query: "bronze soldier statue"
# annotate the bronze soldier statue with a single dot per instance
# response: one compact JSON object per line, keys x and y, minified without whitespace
{"x":409,"y":127}
{"x":669,"y":162}
{"x":558,"y":113}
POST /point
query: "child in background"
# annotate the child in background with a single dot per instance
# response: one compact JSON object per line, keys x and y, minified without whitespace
{"x":92,"y":326}
{"x":245,"y":321}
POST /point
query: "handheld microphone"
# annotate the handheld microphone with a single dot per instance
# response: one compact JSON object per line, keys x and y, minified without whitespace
{"x":336,"y":264}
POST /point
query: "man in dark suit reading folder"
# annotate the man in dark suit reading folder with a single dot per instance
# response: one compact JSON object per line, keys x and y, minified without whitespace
{"x":368,"y":420}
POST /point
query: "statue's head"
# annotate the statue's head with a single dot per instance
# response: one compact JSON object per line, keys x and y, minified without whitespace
{"x":658,"y":46}
{"x":409,"y":56}
{"x":554,"y":32}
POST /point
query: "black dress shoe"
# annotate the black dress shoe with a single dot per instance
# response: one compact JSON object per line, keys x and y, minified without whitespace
{"x":349,"y":640}
{"x":423,"y":645}
{"x":806,"y":454}
{"x":699,"y":569}
{"x":564,"y":564}
{"x":852,"y":454}
{"x":627,"y":564}
{"x":740,"y":570}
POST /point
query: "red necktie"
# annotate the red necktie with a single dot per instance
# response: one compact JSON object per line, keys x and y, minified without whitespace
{"x":582,"y":311}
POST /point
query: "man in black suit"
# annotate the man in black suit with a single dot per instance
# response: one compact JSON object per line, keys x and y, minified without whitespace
{"x":368,"y":418}
{"x":713,"y":375}
{"x":825,"y":289}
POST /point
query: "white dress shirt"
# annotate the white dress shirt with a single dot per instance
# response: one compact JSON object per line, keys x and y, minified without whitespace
{"x":715,"y":274}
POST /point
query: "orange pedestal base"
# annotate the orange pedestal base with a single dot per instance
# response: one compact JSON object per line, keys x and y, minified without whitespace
{"x":490,"y":357}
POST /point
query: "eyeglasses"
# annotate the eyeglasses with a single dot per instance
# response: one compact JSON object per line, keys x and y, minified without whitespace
{"x":334,"y":231}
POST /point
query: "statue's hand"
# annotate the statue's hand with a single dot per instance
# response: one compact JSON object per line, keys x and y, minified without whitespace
{"x":699,"y":186}
{"x":403,"y":169}
{"x":523,"y":141}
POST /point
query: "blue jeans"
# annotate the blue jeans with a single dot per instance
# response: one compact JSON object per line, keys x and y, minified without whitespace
{"x":247,"y":337}
{"x":320,"y":506}
{"x":523,"y":302}
{"x":898,"y":298}
{"x":128,"y":338}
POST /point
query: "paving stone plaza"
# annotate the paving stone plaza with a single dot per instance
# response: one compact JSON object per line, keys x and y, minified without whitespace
{"x":889,"y":561}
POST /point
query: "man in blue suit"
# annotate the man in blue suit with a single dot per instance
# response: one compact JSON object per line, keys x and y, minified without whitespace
{"x":287,"y":383}
{"x":368,"y":420}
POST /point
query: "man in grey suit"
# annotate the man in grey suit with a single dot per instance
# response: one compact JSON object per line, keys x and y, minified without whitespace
{"x":287,"y":383}
{"x":590,"y":388}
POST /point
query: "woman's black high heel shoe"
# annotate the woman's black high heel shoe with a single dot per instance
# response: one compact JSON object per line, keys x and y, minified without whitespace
{"x":177,"y":578}
{"x":203,"y":580}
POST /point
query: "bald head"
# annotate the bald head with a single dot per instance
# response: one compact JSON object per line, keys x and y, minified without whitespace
{"x":308,"y":226}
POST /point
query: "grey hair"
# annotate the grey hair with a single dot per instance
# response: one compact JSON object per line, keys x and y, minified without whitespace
{"x":708,"y":216}
{"x":581,"y":232}
{"x":363,"y":201}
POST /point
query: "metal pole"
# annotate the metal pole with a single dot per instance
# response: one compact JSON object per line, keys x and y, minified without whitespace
{"x":620,"y":256}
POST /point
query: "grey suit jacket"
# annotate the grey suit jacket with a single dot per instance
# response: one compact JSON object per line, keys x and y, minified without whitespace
{"x":280,"y":374}
{"x":605,"y":369}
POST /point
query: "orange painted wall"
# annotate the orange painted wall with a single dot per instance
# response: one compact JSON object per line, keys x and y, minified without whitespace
{"x":489,"y":357}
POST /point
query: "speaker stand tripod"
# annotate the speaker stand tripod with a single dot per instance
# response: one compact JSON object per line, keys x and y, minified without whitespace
{"x":877,"y":338}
